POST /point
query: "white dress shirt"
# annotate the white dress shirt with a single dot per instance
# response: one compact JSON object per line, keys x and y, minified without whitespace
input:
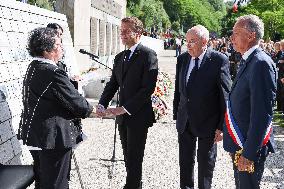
{"x":132,"y":49}
{"x":248,"y":52}
{"x":192,"y":64}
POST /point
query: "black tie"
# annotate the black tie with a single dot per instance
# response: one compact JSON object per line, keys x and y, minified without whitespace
{"x":126,"y":59}
{"x":193,"y":72}
{"x":242,"y":63}
{"x":127,"y":54}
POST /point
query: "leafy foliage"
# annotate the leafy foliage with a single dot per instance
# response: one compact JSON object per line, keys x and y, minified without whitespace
{"x":181,"y":13}
{"x":270,"y":11}
{"x":46,"y":4}
{"x":151,"y":12}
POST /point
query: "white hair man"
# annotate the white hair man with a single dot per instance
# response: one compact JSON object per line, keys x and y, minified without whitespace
{"x":248,"y":131}
{"x":201,"y":87}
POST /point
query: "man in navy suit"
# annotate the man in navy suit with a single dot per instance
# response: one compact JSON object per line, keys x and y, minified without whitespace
{"x":248,"y":131}
{"x":201,"y":87}
{"x":134,"y":75}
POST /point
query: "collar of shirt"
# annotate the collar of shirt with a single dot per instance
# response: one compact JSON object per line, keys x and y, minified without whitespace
{"x":45,"y":60}
{"x":248,"y":52}
{"x":132,"y":49}
{"x":200,"y":58}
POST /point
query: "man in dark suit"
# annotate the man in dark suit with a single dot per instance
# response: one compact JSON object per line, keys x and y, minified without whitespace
{"x":50,"y":103}
{"x":135,"y":73}
{"x":201,"y":87}
{"x":248,"y":132}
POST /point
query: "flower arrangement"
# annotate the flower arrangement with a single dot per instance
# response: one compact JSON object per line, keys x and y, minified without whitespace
{"x":162,"y":90}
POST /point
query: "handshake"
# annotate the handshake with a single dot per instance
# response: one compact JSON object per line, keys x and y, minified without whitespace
{"x":99,"y":112}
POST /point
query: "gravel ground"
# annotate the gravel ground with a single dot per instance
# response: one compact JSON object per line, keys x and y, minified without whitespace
{"x":160,"y":167}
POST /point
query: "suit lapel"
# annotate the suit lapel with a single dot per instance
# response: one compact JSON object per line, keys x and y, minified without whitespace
{"x":241,"y":71}
{"x":185,"y":66}
{"x":207,"y":56}
{"x":131,"y":61}
{"x":120,"y":64}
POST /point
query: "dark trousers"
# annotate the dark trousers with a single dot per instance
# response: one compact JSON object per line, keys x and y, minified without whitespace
{"x":245,"y":180}
{"x":52,"y":168}
{"x":279,"y":96}
{"x":206,"y":158}
{"x":133,"y":140}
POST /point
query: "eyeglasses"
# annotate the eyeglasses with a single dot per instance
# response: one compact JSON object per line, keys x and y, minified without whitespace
{"x":192,"y":42}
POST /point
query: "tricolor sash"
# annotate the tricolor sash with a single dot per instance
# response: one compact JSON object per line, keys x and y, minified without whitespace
{"x":235,"y":132}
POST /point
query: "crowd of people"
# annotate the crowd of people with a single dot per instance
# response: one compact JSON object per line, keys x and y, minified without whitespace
{"x":208,"y":107}
{"x":273,"y":49}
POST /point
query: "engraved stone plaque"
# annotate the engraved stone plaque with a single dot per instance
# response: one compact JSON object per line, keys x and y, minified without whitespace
{"x":15,"y":142}
{"x":6,"y":13}
{"x":6,"y":25}
{"x":102,"y":38}
{"x":4,"y":72}
{"x":108,"y":6}
{"x":114,"y":39}
{"x":12,"y":37}
{"x":14,"y":70}
{"x":6,"y":151}
{"x":2,"y":96}
{"x":1,"y":13}
{"x":14,"y":26}
{"x":118,"y":40}
{"x":23,"y":68}
{"x":94,"y":35}
{"x":26,"y":16}
{"x":108,"y":38}
{"x":16,"y":14}
{"x":6,"y":54}
{"x":14,"y":107}
{"x":4,"y":42}
{"x":5,"y":112}
{"x":11,"y":89}
{"x":5,"y":128}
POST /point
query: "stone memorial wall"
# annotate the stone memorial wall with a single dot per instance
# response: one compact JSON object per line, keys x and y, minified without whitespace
{"x":16,"y":20}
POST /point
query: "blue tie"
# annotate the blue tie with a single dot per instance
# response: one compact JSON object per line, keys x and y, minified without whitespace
{"x":242,"y":63}
{"x":127,"y":55}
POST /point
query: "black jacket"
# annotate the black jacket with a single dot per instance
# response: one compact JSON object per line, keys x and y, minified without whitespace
{"x":202,"y":105}
{"x":136,"y":80}
{"x":50,"y":103}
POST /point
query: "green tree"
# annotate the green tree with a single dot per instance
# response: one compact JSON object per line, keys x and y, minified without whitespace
{"x":192,"y":12}
{"x":152,"y":14}
{"x":272,"y":14}
{"x":270,"y":11}
{"x":46,"y":4}
{"x":218,"y":5}
{"x":176,"y":26}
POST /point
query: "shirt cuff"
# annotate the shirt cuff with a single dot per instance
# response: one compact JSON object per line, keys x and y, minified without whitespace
{"x":126,"y":111}
{"x":101,"y":107}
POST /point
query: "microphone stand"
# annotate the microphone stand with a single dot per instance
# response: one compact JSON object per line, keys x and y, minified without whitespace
{"x":113,"y":158}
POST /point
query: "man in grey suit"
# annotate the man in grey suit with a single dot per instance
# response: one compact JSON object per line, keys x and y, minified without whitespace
{"x":201,"y":87}
{"x":248,"y":133}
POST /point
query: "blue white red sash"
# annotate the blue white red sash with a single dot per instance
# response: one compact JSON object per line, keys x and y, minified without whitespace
{"x":235,"y":132}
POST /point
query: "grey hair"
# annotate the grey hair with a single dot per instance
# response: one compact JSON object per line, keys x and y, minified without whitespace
{"x":201,"y":31}
{"x":252,"y":23}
